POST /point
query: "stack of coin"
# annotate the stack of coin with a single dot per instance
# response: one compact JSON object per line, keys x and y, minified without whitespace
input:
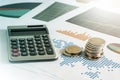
{"x":94,"y":48}
{"x":72,"y":50}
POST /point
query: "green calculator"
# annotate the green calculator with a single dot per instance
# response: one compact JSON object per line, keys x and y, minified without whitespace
{"x":30,"y":43}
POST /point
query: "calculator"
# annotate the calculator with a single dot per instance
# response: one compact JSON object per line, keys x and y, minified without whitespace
{"x":30,"y":43}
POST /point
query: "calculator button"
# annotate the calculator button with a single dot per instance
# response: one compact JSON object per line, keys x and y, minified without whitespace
{"x":37,"y":36}
{"x":14,"y":40}
{"x":38,"y":42}
{"x":24,"y":53}
{"x":29,"y":39}
{"x":37,"y":39}
{"x":15,"y":54}
{"x":22,"y":42}
{"x":33,"y":53}
{"x":49,"y":50}
{"x":32,"y":49}
{"x":22,"y":46}
{"x":41,"y":52}
{"x":46,"y":41}
{"x":45,"y":35}
{"x":14,"y":46}
{"x":40,"y":49}
{"x":15,"y":50}
{"x":21,"y":39}
{"x":23,"y":50}
{"x":30,"y":42}
{"x":47,"y":45}
{"x":39,"y":45}
{"x":14,"y":43}
{"x":45,"y":38}
{"x":31,"y":46}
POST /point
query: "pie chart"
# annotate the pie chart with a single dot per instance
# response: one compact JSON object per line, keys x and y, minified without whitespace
{"x":16,"y":10}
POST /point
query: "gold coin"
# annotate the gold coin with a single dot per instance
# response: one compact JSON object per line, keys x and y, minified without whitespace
{"x":92,"y":57}
{"x":94,"y":52}
{"x":95,"y":55}
{"x":94,"y":46}
{"x":73,"y":49}
{"x":65,"y":53}
{"x":93,"y":49}
{"x":70,"y":54}
{"x":96,"y":41}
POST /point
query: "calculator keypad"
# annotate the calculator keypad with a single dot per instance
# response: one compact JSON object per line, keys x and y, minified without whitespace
{"x":37,"y":46}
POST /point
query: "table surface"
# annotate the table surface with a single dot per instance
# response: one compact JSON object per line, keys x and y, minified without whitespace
{"x":64,"y":68}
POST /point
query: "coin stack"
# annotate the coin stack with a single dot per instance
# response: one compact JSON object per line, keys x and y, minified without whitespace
{"x":72,"y":50}
{"x":94,"y":48}
{"x":84,"y":1}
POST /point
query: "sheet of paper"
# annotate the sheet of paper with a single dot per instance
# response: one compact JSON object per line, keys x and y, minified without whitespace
{"x":16,"y":10}
{"x":99,"y":20}
{"x":64,"y":68}
{"x":55,"y":10}
{"x":12,"y":72}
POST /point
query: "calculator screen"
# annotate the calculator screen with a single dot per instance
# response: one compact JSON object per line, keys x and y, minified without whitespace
{"x":22,"y":32}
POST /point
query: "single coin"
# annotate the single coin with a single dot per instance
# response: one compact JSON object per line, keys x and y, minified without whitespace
{"x":95,"y":55}
{"x":96,"y":41}
{"x":65,"y":53}
{"x":93,"y":58}
{"x":84,"y":1}
{"x":73,"y":49}
{"x":94,"y":46}
{"x":114,"y":47}
{"x":94,"y":51}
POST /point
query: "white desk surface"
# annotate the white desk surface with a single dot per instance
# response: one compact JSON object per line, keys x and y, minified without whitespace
{"x":58,"y":69}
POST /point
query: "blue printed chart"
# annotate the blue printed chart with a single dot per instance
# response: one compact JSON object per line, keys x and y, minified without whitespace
{"x":93,"y":68}
{"x":80,"y":68}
